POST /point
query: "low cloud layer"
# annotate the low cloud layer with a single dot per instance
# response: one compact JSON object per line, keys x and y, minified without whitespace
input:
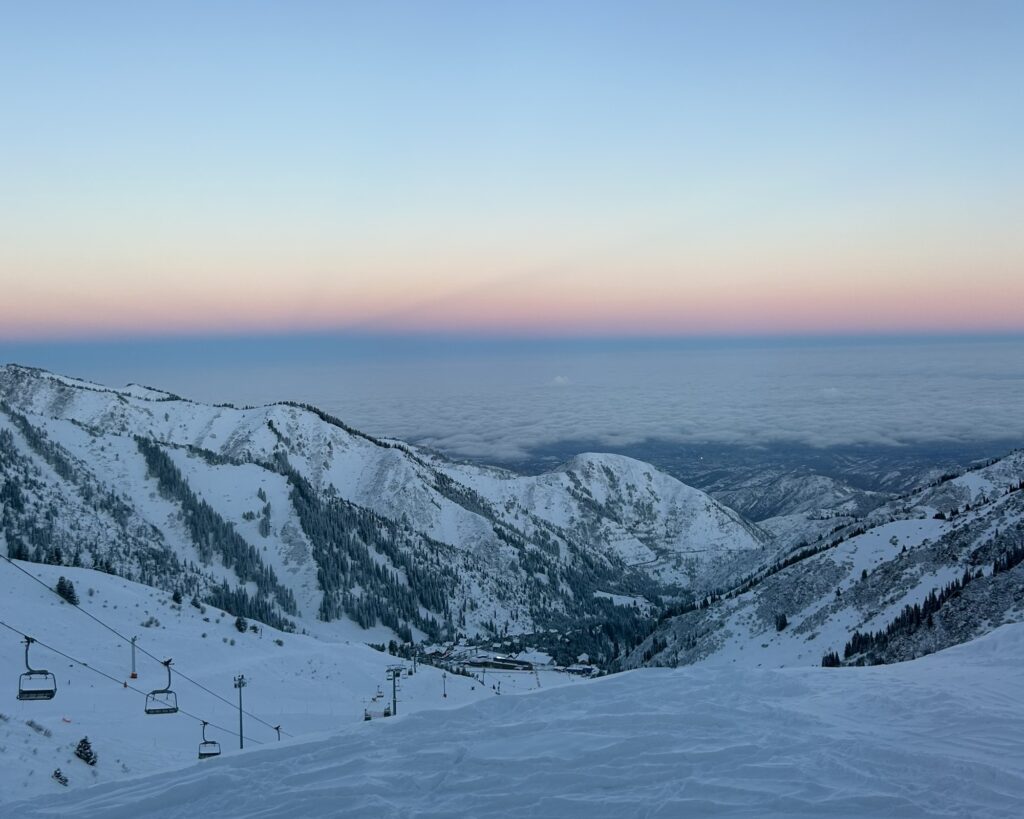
{"x":502,"y":406}
{"x":821,"y":397}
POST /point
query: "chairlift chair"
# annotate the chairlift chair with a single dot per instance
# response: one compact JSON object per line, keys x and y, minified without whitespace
{"x":162,"y":700}
{"x":208,"y":748}
{"x":35,"y":683}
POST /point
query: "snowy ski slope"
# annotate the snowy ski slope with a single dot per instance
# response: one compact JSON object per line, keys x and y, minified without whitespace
{"x":306,"y":685}
{"x":939,"y":736}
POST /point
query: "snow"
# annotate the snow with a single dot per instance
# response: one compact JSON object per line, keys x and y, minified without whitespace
{"x":647,"y":517}
{"x":741,"y":631}
{"x":936,"y":736}
{"x":610,"y":507}
{"x":232,"y":491}
{"x":306,"y":685}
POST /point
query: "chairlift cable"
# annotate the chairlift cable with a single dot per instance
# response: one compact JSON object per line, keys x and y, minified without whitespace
{"x":224,"y":700}
{"x":121,"y":683}
{"x":139,"y":648}
{"x":114,"y":679}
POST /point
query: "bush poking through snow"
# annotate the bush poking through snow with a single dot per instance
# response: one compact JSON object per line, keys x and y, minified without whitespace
{"x":85,"y":752}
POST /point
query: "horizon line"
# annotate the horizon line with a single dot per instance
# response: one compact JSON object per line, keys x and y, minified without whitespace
{"x":505,"y":337}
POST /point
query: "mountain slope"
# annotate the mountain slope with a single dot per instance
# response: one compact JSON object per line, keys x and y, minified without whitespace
{"x":306,"y":685}
{"x":676,"y":532}
{"x":960,"y":567}
{"x":937,"y":736}
{"x":284,"y":513}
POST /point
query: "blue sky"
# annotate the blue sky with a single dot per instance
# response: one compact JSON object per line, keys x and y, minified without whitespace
{"x":522,"y":168}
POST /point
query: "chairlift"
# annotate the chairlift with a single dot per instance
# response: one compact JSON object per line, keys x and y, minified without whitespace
{"x":162,"y":700}
{"x":35,"y":683}
{"x":208,"y":748}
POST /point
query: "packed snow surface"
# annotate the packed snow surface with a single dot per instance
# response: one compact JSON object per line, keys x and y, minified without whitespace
{"x":939,"y":736}
{"x":306,"y":685}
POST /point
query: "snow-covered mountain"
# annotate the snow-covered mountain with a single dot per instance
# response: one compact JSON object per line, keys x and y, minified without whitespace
{"x":772,"y":492}
{"x":939,"y":736}
{"x":286,"y":514}
{"x":676,"y":533}
{"x":930,"y":569}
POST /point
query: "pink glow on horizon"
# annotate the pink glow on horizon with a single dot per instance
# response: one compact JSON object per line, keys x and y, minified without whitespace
{"x":828,"y":308}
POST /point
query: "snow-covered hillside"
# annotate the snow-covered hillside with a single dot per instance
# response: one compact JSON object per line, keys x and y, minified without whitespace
{"x":967,"y":487}
{"x":962,"y":567}
{"x":775,"y":492}
{"x":286,"y":514}
{"x":332,"y":539}
{"x":303,"y":684}
{"x":675,"y":532}
{"x":938,"y":736}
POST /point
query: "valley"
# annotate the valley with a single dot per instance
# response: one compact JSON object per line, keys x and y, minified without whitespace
{"x":279,"y":543}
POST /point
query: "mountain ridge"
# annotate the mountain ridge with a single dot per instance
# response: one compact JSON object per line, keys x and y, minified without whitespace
{"x":285,"y":513}
{"x":338,"y":505}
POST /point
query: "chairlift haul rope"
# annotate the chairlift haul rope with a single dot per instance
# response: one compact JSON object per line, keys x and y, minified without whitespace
{"x":117,"y":633}
{"x":114,"y":679}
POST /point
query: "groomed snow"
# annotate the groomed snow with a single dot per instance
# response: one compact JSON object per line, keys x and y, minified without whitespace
{"x":307,"y":685}
{"x":937,"y":736}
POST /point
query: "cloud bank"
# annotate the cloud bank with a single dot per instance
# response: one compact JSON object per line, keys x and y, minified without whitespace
{"x":500,"y":405}
{"x":877,"y":395}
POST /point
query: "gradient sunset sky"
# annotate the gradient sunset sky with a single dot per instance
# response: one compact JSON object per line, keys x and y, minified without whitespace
{"x":536,"y":168}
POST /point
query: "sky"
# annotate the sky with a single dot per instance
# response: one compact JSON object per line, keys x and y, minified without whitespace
{"x":525,"y":169}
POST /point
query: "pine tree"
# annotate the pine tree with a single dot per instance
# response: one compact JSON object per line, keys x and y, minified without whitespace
{"x":66,"y":589}
{"x":85,"y":752}
{"x":241,"y":624}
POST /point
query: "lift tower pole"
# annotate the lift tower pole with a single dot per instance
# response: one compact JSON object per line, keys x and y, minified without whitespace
{"x":394,"y":672}
{"x":134,"y":675}
{"x":240,"y":683}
